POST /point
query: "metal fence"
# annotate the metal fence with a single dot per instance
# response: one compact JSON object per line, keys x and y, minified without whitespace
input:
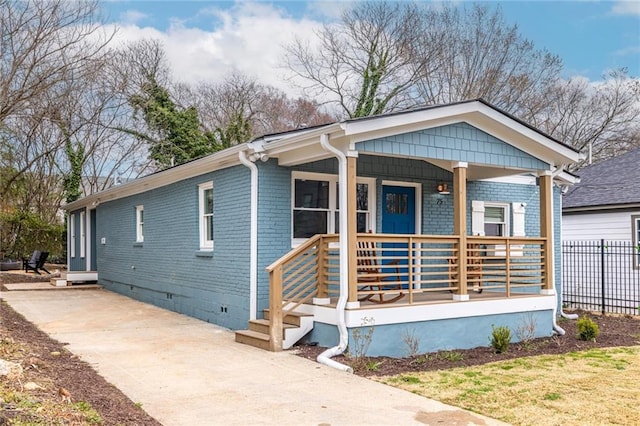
{"x":601,"y":276}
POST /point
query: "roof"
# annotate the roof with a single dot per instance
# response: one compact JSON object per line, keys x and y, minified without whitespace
{"x":303,"y":145}
{"x":612,"y":183}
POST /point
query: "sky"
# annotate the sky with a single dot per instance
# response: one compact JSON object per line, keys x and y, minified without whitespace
{"x":206,"y":40}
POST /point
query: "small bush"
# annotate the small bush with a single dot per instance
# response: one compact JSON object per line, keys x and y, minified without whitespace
{"x":587,"y":329}
{"x":500,"y":338}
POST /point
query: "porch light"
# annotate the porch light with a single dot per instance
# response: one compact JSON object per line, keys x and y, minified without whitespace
{"x":443,"y":188}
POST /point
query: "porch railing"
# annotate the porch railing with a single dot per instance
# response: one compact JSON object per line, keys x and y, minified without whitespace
{"x":410,"y":264}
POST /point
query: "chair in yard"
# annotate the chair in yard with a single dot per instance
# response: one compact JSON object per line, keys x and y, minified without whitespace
{"x":373,"y":276}
{"x":36,"y":262}
{"x":474,"y":267}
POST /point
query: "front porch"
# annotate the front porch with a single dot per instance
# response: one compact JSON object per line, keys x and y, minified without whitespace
{"x":419,"y":282}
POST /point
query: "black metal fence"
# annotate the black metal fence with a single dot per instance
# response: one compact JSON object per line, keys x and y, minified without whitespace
{"x":601,"y":276}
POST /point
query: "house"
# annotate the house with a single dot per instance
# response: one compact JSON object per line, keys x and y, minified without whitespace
{"x":429,"y":225}
{"x":601,"y":236}
{"x":606,"y":201}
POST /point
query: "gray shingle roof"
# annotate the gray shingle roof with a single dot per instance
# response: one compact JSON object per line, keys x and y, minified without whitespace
{"x":611,"y":182}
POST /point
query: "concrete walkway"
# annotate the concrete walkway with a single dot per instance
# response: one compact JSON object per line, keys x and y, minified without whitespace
{"x":188,"y":372}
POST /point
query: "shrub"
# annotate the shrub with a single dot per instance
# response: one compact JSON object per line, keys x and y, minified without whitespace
{"x":500,"y":338}
{"x":587,"y":329}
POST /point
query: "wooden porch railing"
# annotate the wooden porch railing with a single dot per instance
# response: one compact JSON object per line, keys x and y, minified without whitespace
{"x":295,"y":279}
{"x":408,"y":264}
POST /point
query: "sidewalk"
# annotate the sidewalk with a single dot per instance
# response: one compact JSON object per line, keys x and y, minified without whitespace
{"x":188,"y":372}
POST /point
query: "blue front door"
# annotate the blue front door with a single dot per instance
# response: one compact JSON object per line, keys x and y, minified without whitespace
{"x":398,"y":217}
{"x":398,"y":210}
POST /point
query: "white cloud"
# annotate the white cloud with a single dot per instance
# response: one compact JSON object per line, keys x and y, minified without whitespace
{"x":131,"y":17}
{"x":626,"y":7}
{"x":248,"y":37}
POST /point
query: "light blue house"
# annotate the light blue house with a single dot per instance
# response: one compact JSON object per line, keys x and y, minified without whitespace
{"x":430,"y":225}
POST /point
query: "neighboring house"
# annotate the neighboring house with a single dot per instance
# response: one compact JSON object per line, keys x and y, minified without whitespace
{"x":604,"y":205}
{"x":606,"y":201}
{"x":435,"y":202}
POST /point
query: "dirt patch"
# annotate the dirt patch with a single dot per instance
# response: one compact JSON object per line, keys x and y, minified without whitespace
{"x":47,"y":363}
{"x":615,"y":331}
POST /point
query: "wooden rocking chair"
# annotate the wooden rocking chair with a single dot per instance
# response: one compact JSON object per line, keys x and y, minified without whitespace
{"x":372,"y":278}
{"x":474,"y":267}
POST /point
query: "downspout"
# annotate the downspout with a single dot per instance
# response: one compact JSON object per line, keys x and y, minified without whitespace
{"x":253,"y":250}
{"x":556,"y":328}
{"x":325,"y":357}
{"x":559,"y":296}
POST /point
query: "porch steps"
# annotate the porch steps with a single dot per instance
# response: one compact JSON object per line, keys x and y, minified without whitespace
{"x":295,"y":326}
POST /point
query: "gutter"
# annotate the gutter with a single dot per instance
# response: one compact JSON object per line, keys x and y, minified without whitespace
{"x":325,"y":357}
{"x":253,"y":250}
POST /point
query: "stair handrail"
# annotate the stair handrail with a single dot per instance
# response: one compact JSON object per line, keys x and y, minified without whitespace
{"x":276,"y":288}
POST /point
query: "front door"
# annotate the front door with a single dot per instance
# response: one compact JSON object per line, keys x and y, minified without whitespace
{"x":398,"y":217}
{"x":398,"y":209}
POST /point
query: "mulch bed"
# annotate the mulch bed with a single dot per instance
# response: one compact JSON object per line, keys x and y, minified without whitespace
{"x":615,"y":330}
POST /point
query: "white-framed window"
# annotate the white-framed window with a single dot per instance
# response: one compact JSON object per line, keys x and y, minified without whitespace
{"x":490,"y":219}
{"x":83,"y":241}
{"x":315,"y":205}
{"x":493,"y":219}
{"x":496,"y":220}
{"x":139,"y":224}
{"x":635,"y":225}
{"x":72,"y":240}
{"x":205,"y":215}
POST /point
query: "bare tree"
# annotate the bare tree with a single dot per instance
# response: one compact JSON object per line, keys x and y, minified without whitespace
{"x":484,"y":57}
{"x":43,"y":44}
{"x":599,"y":119}
{"x":371,"y":61}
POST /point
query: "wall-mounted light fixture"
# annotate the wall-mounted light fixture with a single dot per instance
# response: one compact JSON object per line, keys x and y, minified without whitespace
{"x":443,"y":188}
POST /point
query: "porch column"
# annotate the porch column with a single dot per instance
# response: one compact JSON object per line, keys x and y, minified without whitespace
{"x":352,"y":229}
{"x":460,"y":225}
{"x":546,"y":228}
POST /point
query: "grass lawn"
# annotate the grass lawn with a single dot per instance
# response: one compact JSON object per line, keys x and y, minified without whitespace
{"x":593,"y":387}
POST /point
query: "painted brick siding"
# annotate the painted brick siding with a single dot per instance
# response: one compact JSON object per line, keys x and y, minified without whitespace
{"x":455,"y":142}
{"x":274,"y":222}
{"x":168,"y":269}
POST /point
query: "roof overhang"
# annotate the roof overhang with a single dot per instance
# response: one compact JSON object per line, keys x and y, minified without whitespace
{"x":304,"y":147}
{"x":227,"y":158}
{"x":601,"y":208}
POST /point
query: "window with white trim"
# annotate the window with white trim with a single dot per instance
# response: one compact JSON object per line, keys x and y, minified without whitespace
{"x":205,"y":203}
{"x":495,"y":220}
{"x":139,"y":224}
{"x":490,"y":219}
{"x":83,"y":241}
{"x":635,"y":224}
{"x":72,"y":242}
{"x":316,"y":207}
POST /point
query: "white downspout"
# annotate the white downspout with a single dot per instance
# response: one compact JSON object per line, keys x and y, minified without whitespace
{"x":325,"y":357}
{"x":559,"y":296}
{"x":253,"y":250}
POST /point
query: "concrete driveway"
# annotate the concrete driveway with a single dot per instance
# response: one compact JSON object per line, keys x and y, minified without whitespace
{"x":188,"y":372}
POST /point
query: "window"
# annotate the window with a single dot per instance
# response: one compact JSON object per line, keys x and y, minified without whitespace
{"x":635,"y":225}
{"x":72,"y":242}
{"x":490,"y":219}
{"x":316,"y":205}
{"x":82,"y":234}
{"x":495,"y":223}
{"x":139,"y":224}
{"x":205,"y":197}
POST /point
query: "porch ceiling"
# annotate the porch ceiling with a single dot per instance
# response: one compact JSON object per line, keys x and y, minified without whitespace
{"x":477,"y":172}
